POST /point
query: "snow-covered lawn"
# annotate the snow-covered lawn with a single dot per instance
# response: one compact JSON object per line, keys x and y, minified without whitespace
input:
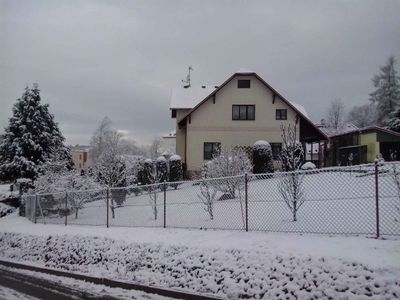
{"x":231,"y":264}
{"x":336,"y":202}
{"x":5,"y":210}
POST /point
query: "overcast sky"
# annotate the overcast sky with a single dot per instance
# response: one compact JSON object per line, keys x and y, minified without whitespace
{"x":122,"y":58}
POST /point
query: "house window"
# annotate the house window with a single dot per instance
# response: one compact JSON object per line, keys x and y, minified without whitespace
{"x":243,"y":84}
{"x":243,"y":112}
{"x":173,"y":113}
{"x":281,"y":114}
{"x":276,"y":150}
{"x":211,"y":149}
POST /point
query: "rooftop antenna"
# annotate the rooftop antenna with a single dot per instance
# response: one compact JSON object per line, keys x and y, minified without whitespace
{"x":187,"y":81}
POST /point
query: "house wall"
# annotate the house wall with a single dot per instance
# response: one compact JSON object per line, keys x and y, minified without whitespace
{"x":180,"y":134}
{"x":213,"y":122}
{"x":370,"y":140}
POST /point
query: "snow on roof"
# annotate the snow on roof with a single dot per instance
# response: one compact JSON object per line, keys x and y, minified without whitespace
{"x":172,"y":134}
{"x":189,"y":97}
{"x":244,"y":70}
{"x":300,"y":108}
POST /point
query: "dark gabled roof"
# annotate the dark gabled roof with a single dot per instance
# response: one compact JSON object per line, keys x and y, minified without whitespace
{"x":181,"y":122}
{"x":369,"y":129}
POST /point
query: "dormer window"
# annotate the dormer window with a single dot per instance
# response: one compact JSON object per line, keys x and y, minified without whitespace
{"x":243,"y":83}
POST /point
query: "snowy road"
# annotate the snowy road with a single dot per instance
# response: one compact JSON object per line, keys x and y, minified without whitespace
{"x":22,"y":284}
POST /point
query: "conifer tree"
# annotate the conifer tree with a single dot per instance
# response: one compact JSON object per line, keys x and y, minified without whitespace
{"x":387,"y":93}
{"x":31,"y":138}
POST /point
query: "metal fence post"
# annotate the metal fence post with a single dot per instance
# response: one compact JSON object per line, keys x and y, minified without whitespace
{"x":377,"y":198}
{"x":36,"y":200}
{"x":246,"y":200}
{"x":165,"y":204}
{"x":108,"y":203}
{"x":66,"y":208}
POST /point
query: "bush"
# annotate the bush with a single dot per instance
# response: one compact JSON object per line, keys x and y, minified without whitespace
{"x":175,"y":170}
{"x":262,"y":158}
{"x":162,"y":169}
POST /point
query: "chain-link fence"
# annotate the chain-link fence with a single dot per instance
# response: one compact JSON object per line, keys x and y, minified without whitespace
{"x":361,"y":199}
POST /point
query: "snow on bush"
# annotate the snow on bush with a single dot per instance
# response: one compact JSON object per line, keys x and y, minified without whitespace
{"x":175,"y":170}
{"x":262,"y":158}
{"x":308,"y":166}
{"x":228,"y":273}
{"x":162,"y":169}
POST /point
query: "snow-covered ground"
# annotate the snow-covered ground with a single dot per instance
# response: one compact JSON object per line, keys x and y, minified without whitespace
{"x":231,"y":264}
{"x":336,"y":203}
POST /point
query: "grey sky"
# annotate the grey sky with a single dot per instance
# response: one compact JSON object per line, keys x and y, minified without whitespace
{"x":122,"y":58}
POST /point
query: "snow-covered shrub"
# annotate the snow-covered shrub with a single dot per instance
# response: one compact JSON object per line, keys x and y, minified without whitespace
{"x":262,"y":158}
{"x":175,"y":170}
{"x":291,"y":183}
{"x":5,"y":210}
{"x":56,"y":178}
{"x":228,"y":164}
{"x":308,"y":166}
{"x":162,"y":169}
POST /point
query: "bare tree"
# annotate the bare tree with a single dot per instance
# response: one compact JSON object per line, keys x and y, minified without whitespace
{"x":291,"y":183}
{"x":155,"y":148}
{"x":363,"y":116}
{"x":101,"y":139}
{"x":229,"y":164}
{"x":336,"y":116}
{"x":207,"y":195}
{"x":153,"y":186}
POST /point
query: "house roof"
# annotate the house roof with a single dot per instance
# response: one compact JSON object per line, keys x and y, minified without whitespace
{"x":369,"y":129}
{"x":331,"y":132}
{"x":300,"y":110}
{"x":187,"y":98}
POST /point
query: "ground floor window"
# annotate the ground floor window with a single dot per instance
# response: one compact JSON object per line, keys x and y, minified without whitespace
{"x":211,"y":149}
{"x":276,"y":150}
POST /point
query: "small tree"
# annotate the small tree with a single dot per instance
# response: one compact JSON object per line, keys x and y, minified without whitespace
{"x":208,"y":192}
{"x":230,"y":164}
{"x":292,"y":157}
{"x":262,"y":158}
{"x":175,"y":170}
{"x":151,"y":179}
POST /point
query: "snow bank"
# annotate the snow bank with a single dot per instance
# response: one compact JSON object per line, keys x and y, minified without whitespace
{"x":232,"y":274}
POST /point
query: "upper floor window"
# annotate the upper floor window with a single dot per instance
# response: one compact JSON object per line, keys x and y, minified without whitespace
{"x":243,"y":112}
{"x":211,"y":149}
{"x":281,"y":114}
{"x":173,"y":113}
{"x":244,"y":83}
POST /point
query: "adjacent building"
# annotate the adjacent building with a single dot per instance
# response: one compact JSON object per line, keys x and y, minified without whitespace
{"x":235,"y":114}
{"x":364,"y":146}
{"x":81,"y":157}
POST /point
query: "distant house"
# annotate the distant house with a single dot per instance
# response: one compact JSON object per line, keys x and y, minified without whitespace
{"x":80,"y":157}
{"x":169,"y":142}
{"x":364,"y":145}
{"x":235,"y":114}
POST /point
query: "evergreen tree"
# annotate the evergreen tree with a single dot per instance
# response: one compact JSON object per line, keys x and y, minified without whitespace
{"x":31,"y":138}
{"x":262,"y":158}
{"x":162,"y":169}
{"x":394,"y":120}
{"x":175,"y":170}
{"x":387,"y":93}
